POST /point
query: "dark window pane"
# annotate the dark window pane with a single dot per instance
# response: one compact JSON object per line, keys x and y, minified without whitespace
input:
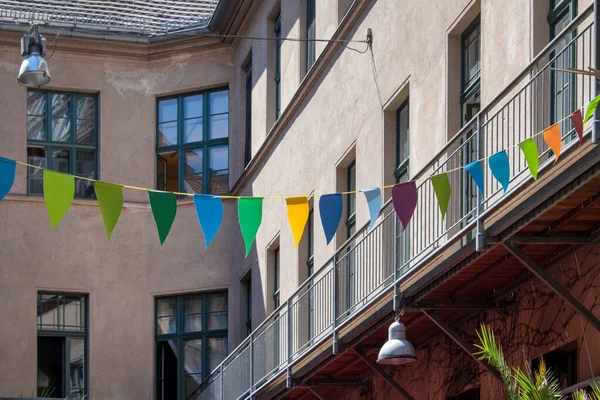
{"x":192,"y":304}
{"x":61,"y":130}
{"x":77,"y":365}
{"x":86,"y":107}
{"x":166,"y":311}
{"x":193,"y":106}
{"x":219,"y":126}
{"x":60,"y":105}
{"x":167,"y":134}
{"x":60,"y":160}
{"x":50,"y":366}
{"x":166,"y":355}
{"x":219,"y":170}
{"x":193,"y":167}
{"x":219,"y":102}
{"x":36,"y":103}
{"x":217,"y":351}
{"x":168,"y":171}
{"x":85,"y":166}
{"x":85,"y":130}
{"x":192,"y":361}
{"x":36,"y":156}
{"x":192,"y":129}
{"x":192,"y":310}
{"x":35,"y":128}
{"x":217,"y":306}
{"x":167,"y":110}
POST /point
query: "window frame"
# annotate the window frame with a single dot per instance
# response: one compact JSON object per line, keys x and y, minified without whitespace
{"x":48,"y":145}
{"x":206,"y":144}
{"x":310,"y":246}
{"x":248,"y":114}
{"x":276,"y":278}
{"x":402,"y":166}
{"x":180,"y":337}
{"x":350,"y":213}
{"x":469,"y":87}
{"x":67,"y":334}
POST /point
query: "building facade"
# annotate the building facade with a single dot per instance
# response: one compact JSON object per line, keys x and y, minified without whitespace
{"x":433,"y":87}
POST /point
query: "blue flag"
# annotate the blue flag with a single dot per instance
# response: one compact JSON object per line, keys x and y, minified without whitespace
{"x":210,"y":214}
{"x":7,"y":175}
{"x":500,"y":168}
{"x":476,"y":171}
{"x":374,"y":202}
{"x":330,"y":210}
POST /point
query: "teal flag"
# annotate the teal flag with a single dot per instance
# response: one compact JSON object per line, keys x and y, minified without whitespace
{"x":441,"y":186}
{"x":110,"y":200}
{"x":500,"y":167}
{"x":476,"y":171}
{"x":59,"y":190}
{"x":164,"y":209}
{"x":250,"y":217}
{"x":530,"y":151}
{"x":7,"y":175}
{"x":590,"y":109}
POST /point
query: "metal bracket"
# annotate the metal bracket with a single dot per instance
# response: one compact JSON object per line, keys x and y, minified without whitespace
{"x":552,"y":284}
{"x":379,"y":371}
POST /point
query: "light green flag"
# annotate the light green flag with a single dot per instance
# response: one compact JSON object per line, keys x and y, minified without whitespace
{"x":110,"y":199}
{"x":59,"y":190}
{"x":164,"y":208}
{"x":250,"y":217}
{"x":590,"y":109}
{"x":530,"y":151}
{"x":441,"y":185}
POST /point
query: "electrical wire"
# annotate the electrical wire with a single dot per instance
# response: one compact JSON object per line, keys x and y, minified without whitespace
{"x":54,"y":45}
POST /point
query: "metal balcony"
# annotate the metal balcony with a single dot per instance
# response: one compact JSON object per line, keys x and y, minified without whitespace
{"x":368,"y":265}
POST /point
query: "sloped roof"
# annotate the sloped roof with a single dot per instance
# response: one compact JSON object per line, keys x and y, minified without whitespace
{"x":139,"y":17}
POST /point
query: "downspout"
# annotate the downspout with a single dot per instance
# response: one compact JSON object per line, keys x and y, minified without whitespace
{"x":596,"y":124}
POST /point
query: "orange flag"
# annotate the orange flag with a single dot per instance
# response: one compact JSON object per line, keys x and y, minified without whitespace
{"x":553,"y":139}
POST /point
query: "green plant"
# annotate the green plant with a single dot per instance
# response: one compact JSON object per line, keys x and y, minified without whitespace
{"x":529,"y":385}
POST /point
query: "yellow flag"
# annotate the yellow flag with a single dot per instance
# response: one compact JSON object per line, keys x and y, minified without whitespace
{"x":297,"y":208}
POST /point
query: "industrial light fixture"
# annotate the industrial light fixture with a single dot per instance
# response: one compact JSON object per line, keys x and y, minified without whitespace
{"x":397,"y":350}
{"x":34,"y":69}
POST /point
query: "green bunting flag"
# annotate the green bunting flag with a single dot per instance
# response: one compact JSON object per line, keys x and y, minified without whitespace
{"x":441,"y":185}
{"x":250,"y":217}
{"x":110,"y":199}
{"x":530,"y":151}
{"x":164,"y":208}
{"x":59,"y":190}
{"x":590,"y":109}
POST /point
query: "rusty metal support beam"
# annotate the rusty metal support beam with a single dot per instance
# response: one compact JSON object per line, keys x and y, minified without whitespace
{"x":379,"y":371}
{"x":552,"y":284}
{"x":333,"y":384}
{"x":316,"y":393}
{"x":468,"y":348}
{"x":552,"y":240}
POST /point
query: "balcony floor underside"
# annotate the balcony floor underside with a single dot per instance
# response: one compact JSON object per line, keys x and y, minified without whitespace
{"x":556,"y":215}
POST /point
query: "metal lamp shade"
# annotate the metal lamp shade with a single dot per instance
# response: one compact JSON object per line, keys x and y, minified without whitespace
{"x":34,"y":71}
{"x":397,"y":350}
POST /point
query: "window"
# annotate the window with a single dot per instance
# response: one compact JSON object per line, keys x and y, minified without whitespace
{"x":562,"y":85}
{"x":277,"y":30}
{"x":310,"y":34}
{"x":192,"y":136}
{"x":351,"y":200}
{"x":310,"y":256}
{"x":563,"y":364}
{"x":62,"y":345}
{"x":276,"y":277}
{"x":402,"y":173}
{"x":471,"y":71}
{"x":62,"y":135}
{"x":191,"y":341}
{"x":247,"y":286}
{"x":248,"y":150}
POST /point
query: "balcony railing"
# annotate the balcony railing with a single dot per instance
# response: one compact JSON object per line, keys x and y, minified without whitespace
{"x":369,"y":263}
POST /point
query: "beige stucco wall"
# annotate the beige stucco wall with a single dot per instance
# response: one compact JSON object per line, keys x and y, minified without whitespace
{"x":343,"y":112}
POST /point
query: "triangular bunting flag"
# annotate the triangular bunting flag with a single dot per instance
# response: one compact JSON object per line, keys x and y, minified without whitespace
{"x":577,"y":124}
{"x":530,"y":151}
{"x":441,"y":186}
{"x":500,"y":168}
{"x":553,"y":139}
{"x":250,"y":217}
{"x":7,"y":176}
{"x":330,"y":211}
{"x":110,"y":200}
{"x":210,"y":214}
{"x":374,"y":202}
{"x":297,"y":208}
{"x":404,"y":197}
{"x":59,"y":190}
{"x":589,"y":113}
{"x":164,"y":209}
{"x":476,"y":171}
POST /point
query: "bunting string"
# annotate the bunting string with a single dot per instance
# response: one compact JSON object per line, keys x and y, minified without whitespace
{"x":59,"y":190}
